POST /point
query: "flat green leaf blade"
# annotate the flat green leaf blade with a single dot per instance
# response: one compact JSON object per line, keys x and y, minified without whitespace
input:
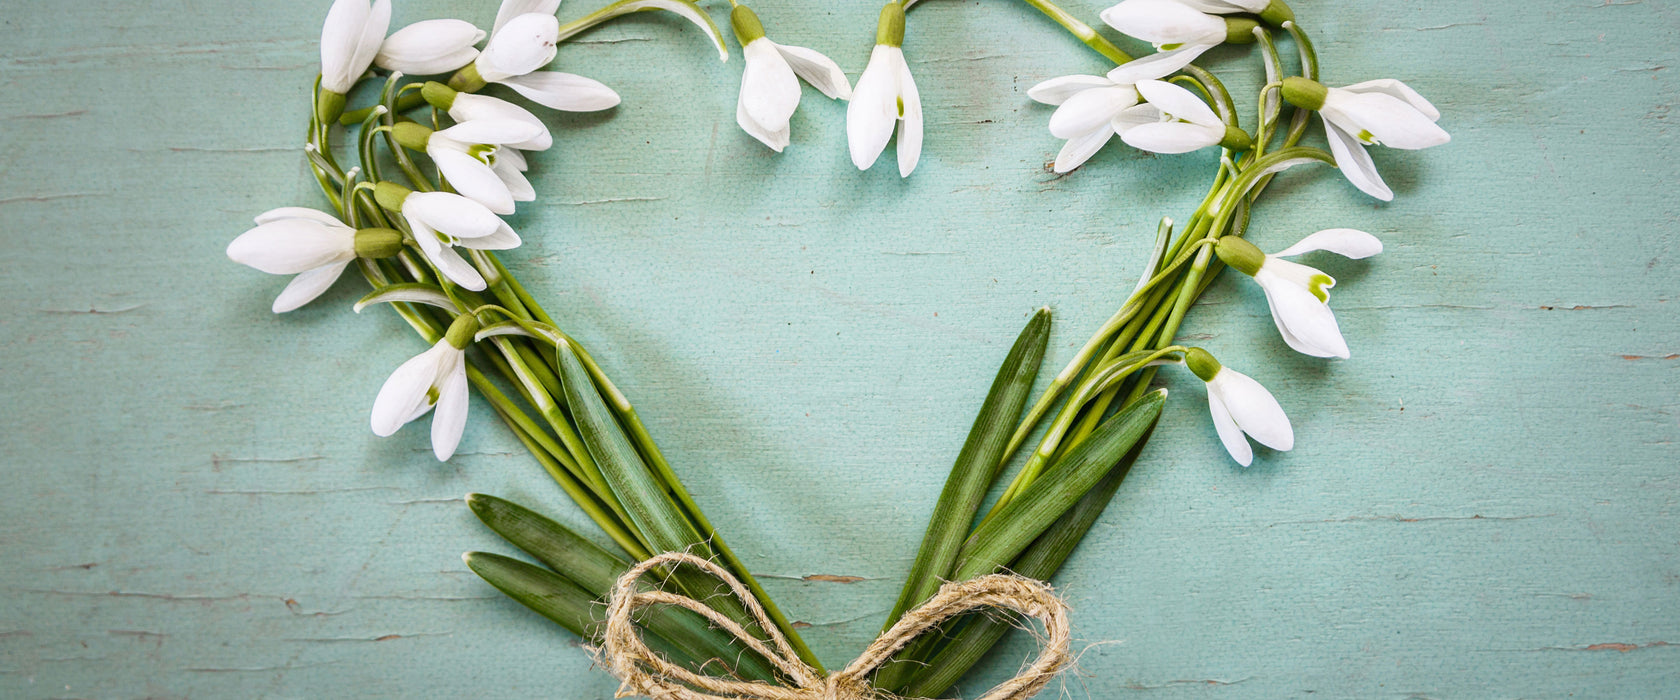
{"x":648,"y":506}
{"x":972,"y":473}
{"x":548,"y":593}
{"x":578,"y":559}
{"x":1006,"y":535}
{"x":1041,"y":561}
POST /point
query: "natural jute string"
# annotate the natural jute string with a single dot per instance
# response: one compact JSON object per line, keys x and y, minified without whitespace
{"x":644,"y":672}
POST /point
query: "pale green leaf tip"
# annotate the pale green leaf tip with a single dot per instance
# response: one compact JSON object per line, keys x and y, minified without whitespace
{"x":466,"y":558}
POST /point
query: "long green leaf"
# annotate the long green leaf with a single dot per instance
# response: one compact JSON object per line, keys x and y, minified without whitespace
{"x":1041,"y":561}
{"x":972,"y":473}
{"x":998,"y":541}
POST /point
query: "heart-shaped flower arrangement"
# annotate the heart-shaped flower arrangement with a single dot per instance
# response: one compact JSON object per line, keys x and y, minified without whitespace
{"x":424,"y":236}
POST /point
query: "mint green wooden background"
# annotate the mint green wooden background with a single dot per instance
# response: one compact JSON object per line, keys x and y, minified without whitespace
{"x":1482,"y":503}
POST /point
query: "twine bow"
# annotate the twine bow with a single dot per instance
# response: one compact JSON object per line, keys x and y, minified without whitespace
{"x":644,"y":672}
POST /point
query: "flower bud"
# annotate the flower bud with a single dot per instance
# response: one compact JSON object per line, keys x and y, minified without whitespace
{"x":1236,"y":139}
{"x":1241,"y":255}
{"x":1304,"y":93}
{"x":376,"y":243}
{"x":747,"y":27}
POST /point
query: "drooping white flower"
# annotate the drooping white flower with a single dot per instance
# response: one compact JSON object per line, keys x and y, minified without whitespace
{"x":310,"y":244}
{"x":466,"y":107}
{"x":1174,"y":121}
{"x":770,"y":82}
{"x":435,"y":378}
{"x":442,"y":220}
{"x":350,"y":39}
{"x":522,"y":43}
{"x":1088,"y":107}
{"x":1240,"y":405}
{"x":430,"y":47}
{"x":1180,"y":32}
{"x":1385,"y":112}
{"x":885,"y":99}
{"x":1299,"y":296}
{"x":466,"y":155}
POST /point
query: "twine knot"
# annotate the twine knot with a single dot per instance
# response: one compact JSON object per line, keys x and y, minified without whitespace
{"x":643,"y":672}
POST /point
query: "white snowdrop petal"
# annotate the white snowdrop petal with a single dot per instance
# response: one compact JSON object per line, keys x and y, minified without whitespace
{"x":512,"y":175}
{"x":1346,"y":242}
{"x":564,"y":91}
{"x":1389,"y":120}
{"x":1136,"y":116}
{"x":1229,"y":434}
{"x":1164,"y":22}
{"x":1355,"y":162}
{"x":1156,"y":65}
{"x":456,"y":268}
{"x":403,"y":396}
{"x":1225,"y":7}
{"x":1255,"y":410}
{"x":451,"y":214}
{"x":308,"y":285}
{"x":1401,"y":91}
{"x":292,"y":246}
{"x":1055,"y":91}
{"x":474,"y":180}
{"x":450,"y":420}
{"x":1171,"y":138}
{"x":776,"y":140}
{"x":871,"y":114}
{"x":1080,"y":148}
{"x":340,"y":35}
{"x":306,"y":213}
{"x":1089,"y":110}
{"x":1179,"y":102}
{"x":430,"y":47}
{"x":524,"y":44}
{"x":492,"y":131}
{"x":503,"y":238}
{"x":910,"y":122}
{"x":1307,"y":324}
{"x":769,"y":89}
{"x":514,"y":8}
{"x":818,"y":70}
{"x":373,"y":33}
{"x":470,"y":107}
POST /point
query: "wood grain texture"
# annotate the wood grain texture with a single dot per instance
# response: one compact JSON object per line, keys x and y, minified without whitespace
{"x":1482,"y":502}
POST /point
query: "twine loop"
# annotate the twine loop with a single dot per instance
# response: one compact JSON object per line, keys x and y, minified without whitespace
{"x":644,"y":672}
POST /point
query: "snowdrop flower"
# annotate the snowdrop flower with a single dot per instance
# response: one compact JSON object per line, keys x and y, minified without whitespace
{"x":770,"y":81}
{"x":466,"y":107}
{"x":1175,"y":121}
{"x":467,"y":154}
{"x":1088,"y":107}
{"x":434,"y":378}
{"x":1299,"y":295}
{"x":349,"y":40}
{"x":442,"y":220}
{"x":885,"y":98}
{"x":430,"y":47}
{"x":1385,"y":112}
{"x":310,"y":244}
{"x":522,"y":41}
{"x":1179,"y":31}
{"x":1240,"y":405}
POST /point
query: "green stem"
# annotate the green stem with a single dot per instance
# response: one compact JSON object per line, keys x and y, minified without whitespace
{"x":1080,"y":30}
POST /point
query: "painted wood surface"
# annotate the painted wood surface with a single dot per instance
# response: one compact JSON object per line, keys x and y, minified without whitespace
{"x":1482,"y":501}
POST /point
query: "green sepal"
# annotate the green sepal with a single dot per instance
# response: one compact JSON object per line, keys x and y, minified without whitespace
{"x":1240,"y":30}
{"x":461,"y":331}
{"x":439,"y":95}
{"x":1241,"y":255}
{"x":390,"y":195}
{"x":747,"y":27}
{"x":378,"y":243}
{"x":467,"y":79}
{"x":1202,"y":364}
{"x":329,"y":105}
{"x":890,"y":30}
{"x":1277,"y":13}
{"x":411,"y":135}
{"x":1304,"y":93}
{"x":1236,"y":139}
